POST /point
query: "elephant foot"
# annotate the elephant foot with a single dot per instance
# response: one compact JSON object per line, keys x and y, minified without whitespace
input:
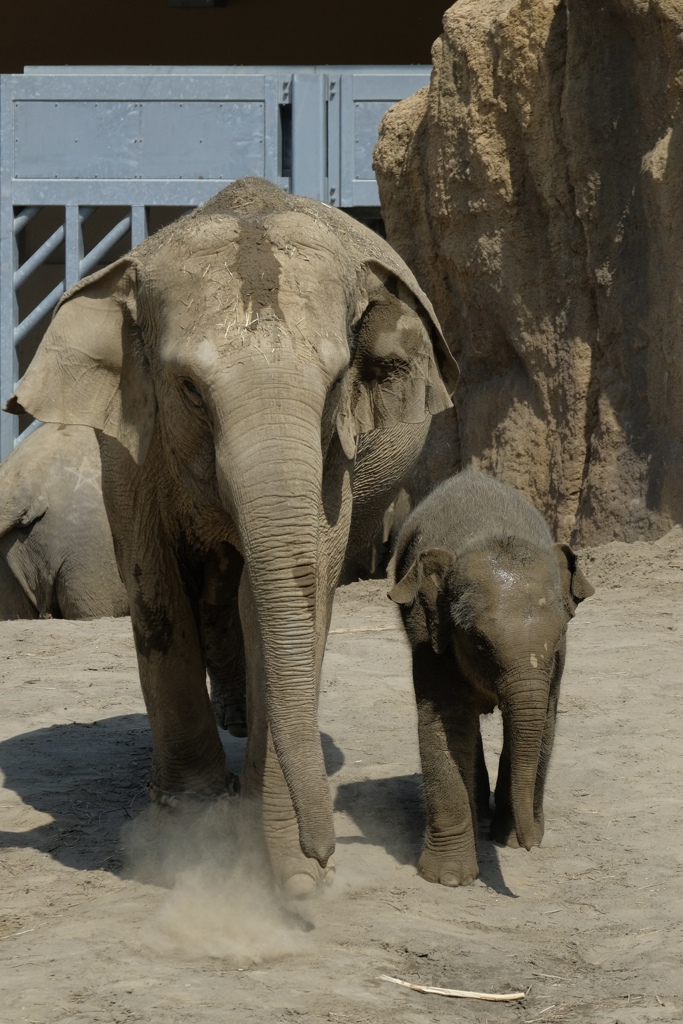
{"x":230,"y":716}
{"x":296,"y":875}
{"x":185,"y":797}
{"x":448,"y":869}
{"x":302,"y":884}
{"x":277,"y":852}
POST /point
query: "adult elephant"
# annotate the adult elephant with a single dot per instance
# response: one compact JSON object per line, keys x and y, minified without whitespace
{"x":263,"y":372}
{"x":56,"y":552}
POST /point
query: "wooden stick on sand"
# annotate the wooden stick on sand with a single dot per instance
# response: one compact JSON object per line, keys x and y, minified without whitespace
{"x":492,"y":997}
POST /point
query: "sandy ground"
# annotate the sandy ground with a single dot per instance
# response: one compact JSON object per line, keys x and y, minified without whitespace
{"x":590,"y":924}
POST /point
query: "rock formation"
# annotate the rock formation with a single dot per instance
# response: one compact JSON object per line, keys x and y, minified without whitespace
{"x":536,"y":190}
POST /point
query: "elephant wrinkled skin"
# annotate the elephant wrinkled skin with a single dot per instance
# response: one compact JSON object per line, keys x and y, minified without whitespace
{"x":263,"y":372}
{"x":56,"y":552}
{"x":485,"y":598}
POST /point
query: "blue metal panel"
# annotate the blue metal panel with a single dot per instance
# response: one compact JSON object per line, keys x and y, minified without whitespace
{"x":114,"y":192}
{"x":365,"y":98}
{"x":134,"y":87}
{"x":309,"y":135}
{"x":388,"y":86}
{"x":367,"y":118}
{"x":200,"y":128}
{"x":201,"y":140}
{"x":144,"y":140}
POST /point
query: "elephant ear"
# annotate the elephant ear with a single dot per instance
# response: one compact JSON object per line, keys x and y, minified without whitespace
{"x":425,"y":580}
{"x":90,"y":368}
{"x":401,"y":368}
{"x":576,"y":586}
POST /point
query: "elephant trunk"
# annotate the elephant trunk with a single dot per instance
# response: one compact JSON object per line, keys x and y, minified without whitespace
{"x":524,"y":704}
{"x":269,"y":470}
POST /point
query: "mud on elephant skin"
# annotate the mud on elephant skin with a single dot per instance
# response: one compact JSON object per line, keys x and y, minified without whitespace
{"x":56,"y":551}
{"x":263,"y":373}
{"x":485,"y":597}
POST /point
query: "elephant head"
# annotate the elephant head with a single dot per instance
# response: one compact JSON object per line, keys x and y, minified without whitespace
{"x":501,"y":611}
{"x":250,"y":344}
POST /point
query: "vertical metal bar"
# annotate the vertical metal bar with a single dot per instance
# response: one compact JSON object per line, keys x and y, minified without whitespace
{"x":139,"y":227}
{"x":8,"y":266}
{"x":334,"y":94}
{"x":73,"y":245}
{"x":347,"y":139}
{"x":271,"y":129}
{"x":309,"y":136}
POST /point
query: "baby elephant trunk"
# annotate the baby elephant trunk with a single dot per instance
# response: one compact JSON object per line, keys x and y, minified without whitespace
{"x":524,"y":704}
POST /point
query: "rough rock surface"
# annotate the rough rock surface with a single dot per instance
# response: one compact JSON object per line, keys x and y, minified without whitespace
{"x":535,"y":190}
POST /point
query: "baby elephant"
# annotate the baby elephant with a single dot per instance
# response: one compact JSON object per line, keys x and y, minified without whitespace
{"x":485,"y":597}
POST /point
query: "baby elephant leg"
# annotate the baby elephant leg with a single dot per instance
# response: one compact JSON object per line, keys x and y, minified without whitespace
{"x":448,"y":732}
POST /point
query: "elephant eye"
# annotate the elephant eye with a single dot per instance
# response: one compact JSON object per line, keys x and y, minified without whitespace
{"x":191,"y":393}
{"x":480,"y":642}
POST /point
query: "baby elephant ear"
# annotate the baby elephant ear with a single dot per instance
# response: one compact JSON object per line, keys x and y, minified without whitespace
{"x":425,"y":580}
{"x":577,"y":586}
{"x":404,"y":590}
{"x":90,"y":368}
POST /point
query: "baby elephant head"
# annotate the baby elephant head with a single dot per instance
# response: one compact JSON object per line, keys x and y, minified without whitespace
{"x":479,"y":590}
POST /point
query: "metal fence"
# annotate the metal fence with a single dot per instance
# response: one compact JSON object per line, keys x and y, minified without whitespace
{"x":93,"y":159}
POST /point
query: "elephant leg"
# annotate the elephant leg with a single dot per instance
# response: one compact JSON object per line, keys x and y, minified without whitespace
{"x":503,"y":820}
{"x":188,"y":755}
{"x":268,"y":813}
{"x":448,"y":733}
{"x":223,"y":641}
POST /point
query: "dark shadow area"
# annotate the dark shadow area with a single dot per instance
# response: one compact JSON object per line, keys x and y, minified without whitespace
{"x":334,"y":756}
{"x":91,"y":778}
{"x":258,"y":32}
{"x":390,"y":813}
{"x":490,"y":872}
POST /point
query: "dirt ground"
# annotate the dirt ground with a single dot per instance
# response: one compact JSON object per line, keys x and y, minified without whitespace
{"x":590,"y":925}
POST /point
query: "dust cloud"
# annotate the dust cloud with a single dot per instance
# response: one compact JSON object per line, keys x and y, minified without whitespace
{"x":221,"y":900}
